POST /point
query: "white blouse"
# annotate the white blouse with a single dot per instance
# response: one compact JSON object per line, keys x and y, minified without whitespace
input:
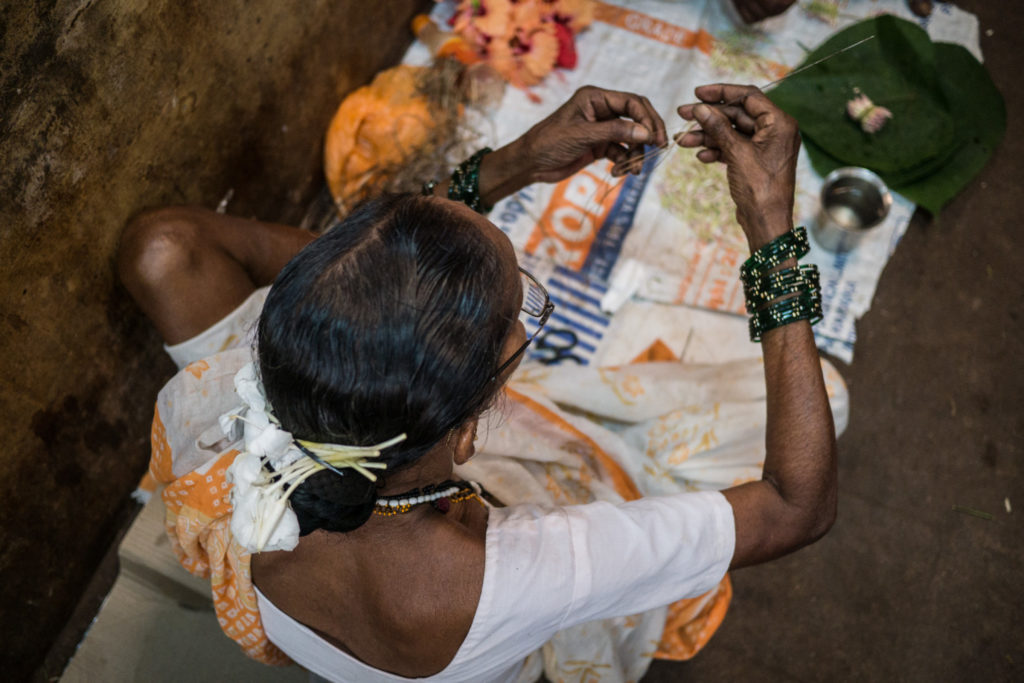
{"x":551,"y":568}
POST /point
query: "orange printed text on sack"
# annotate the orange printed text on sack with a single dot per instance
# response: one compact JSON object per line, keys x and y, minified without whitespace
{"x":572,"y":219}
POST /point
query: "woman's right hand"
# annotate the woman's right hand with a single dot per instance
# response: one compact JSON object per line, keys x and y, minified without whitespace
{"x":593,"y":124}
{"x":758,"y":142}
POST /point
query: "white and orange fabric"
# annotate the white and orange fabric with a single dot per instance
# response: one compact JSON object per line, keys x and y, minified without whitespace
{"x":198,"y":506}
{"x":563,"y":436}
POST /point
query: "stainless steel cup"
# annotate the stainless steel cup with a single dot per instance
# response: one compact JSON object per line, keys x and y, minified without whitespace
{"x":853,"y":201}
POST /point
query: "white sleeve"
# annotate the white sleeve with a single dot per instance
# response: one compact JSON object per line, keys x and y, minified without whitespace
{"x":647,"y":553}
{"x":554,"y":568}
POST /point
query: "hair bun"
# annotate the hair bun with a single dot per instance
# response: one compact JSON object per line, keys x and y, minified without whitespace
{"x":333,"y":503}
{"x":391,"y":323}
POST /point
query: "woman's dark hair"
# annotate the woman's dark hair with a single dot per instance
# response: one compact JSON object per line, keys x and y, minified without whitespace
{"x":391,"y":323}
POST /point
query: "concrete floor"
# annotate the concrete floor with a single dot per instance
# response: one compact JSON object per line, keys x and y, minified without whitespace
{"x":905,"y":588}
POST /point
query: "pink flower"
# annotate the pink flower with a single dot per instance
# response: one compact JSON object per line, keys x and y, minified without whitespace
{"x":875,"y":119}
{"x":870,"y":116}
{"x":858,"y":107}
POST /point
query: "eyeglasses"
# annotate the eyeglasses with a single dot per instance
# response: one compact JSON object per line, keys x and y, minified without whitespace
{"x":536,"y":304}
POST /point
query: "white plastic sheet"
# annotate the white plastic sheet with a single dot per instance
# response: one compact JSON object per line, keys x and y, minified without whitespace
{"x":669,"y":235}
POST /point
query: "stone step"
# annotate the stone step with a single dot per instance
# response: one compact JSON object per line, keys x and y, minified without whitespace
{"x":158,"y":622}
{"x":142,"y":634}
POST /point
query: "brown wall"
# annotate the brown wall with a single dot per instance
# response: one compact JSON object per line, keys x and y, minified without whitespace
{"x":107,"y":108}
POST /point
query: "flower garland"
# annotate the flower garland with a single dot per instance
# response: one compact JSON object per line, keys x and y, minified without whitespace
{"x":523,"y":39}
{"x":273,"y":463}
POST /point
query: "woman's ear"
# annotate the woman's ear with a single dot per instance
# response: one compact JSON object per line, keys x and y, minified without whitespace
{"x":463,"y":447}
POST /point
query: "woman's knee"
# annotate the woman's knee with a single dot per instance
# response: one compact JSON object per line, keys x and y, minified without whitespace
{"x":158,"y":246}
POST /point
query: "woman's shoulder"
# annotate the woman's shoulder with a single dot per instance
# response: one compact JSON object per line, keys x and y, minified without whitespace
{"x":396,"y":602}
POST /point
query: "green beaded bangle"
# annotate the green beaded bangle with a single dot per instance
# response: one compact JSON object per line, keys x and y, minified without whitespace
{"x":781,"y":283}
{"x":465,"y":184}
{"x":805,"y":306}
{"x":792,"y":244}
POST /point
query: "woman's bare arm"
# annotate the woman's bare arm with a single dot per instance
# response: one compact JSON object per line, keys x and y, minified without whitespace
{"x":794,"y":504}
{"x":592,"y":124}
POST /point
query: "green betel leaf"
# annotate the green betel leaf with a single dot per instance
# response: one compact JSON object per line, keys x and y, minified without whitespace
{"x":971,"y":103}
{"x":897,"y":70}
{"x":980,"y":116}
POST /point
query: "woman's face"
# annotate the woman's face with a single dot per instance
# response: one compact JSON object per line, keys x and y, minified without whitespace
{"x":511,"y":288}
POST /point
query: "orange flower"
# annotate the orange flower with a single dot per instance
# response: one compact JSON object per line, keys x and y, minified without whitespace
{"x":487,"y":18}
{"x":499,"y":55}
{"x":523,"y":39}
{"x":444,"y":43}
{"x":576,"y":14}
{"x":528,"y":15}
{"x":540,"y":53}
{"x":526,"y":58}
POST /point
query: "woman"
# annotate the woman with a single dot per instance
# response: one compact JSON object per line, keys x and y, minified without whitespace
{"x":379,"y":348}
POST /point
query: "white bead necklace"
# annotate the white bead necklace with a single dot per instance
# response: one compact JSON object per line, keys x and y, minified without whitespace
{"x":393,"y":505}
{"x":416,"y":500}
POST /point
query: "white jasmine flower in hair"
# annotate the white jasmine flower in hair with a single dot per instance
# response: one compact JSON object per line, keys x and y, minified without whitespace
{"x":231,"y":424}
{"x":264,"y":522}
{"x":243,"y":517}
{"x":261,"y":519}
{"x":272,"y":466}
{"x":243,"y":473}
{"x":249,"y":388}
{"x":268,"y":441}
{"x":278,"y":526}
{"x":254,"y":404}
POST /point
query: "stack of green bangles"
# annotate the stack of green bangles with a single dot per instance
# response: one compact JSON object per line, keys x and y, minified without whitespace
{"x":465,"y":183}
{"x":779,"y":297}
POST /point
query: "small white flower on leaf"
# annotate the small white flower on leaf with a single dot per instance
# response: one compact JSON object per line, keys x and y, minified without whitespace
{"x":869,"y":115}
